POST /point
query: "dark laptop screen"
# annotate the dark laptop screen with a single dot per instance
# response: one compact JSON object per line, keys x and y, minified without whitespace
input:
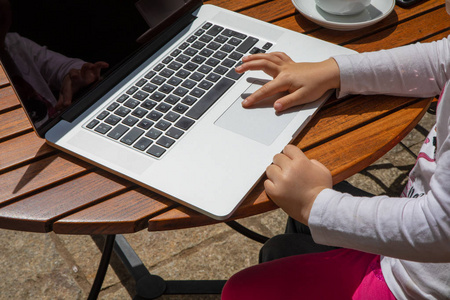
{"x":54,"y":51}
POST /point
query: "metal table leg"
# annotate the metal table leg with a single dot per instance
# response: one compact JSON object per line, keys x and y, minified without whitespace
{"x":150,"y":286}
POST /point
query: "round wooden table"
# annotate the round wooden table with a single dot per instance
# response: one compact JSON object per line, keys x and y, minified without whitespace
{"x":43,"y":189}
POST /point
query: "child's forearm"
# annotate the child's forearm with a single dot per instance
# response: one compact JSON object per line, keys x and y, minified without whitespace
{"x":414,"y":70}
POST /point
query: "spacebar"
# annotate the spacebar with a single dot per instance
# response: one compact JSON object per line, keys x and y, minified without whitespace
{"x":209,"y":98}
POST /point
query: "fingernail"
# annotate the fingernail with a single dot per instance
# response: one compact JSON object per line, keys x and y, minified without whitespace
{"x":244,"y":103}
{"x":277,"y":106}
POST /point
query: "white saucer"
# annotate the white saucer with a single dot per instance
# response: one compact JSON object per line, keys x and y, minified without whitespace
{"x":377,"y":10}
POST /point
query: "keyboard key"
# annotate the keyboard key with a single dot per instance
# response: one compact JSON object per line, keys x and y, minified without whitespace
{"x":131,"y":103}
{"x":180,"y":91}
{"x":103,"y":115}
{"x":154,"y":115}
{"x":247,"y":44}
{"x":174,"y":81}
{"x":122,"y":111}
{"x":233,"y":75}
{"x":198,"y":45}
{"x":163,"y":107}
{"x":132,"y":90}
{"x":143,"y":143}
{"x":141,"y":82}
{"x":140,"y":95}
{"x":184,"y":123}
{"x":189,"y":100}
{"x":183,"y":59}
{"x":167,"y":60}
{"x":174,"y":133}
{"x":149,"y":87}
{"x":171,"y":116}
{"x":197,"y":92}
{"x":150,"y":74}
{"x":130,"y":120}
{"x":103,"y":128}
{"x":205,"y":84}
{"x":118,"y":131}
{"x":139,"y":112}
{"x":157,"y":96}
{"x":156,"y":151}
{"x":158,"y":67}
{"x":166,"y":89}
{"x":158,"y":80}
{"x":132,"y":136}
{"x":180,"y":108}
{"x":113,"y":106}
{"x":221,"y":39}
{"x":234,"y":41}
{"x":172,"y":99}
{"x":190,"y":66}
{"x":92,"y":124}
{"x":163,"y":125}
{"x":145,"y":124}
{"x":215,"y":30}
{"x":198,"y":59}
{"x":227,"y":48}
{"x":209,"y":98}
{"x":165,"y":141}
{"x":204,"y":69}
{"x":183,"y":74}
{"x":235,"y":55}
{"x":196,"y":76}
{"x":213,"y":46}
{"x":213,"y":77}
{"x":190,"y":52}
{"x":166,"y":73}
{"x":219,"y":55}
{"x":148,"y":104}
{"x":212,"y":62}
{"x":122,"y":98}
{"x":153,"y":133}
{"x":220,"y":70}
{"x":228,"y":63}
{"x":188,"y":83}
{"x":206,"y":52}
{"x":112,"y":120}
{"x":175,"y":65}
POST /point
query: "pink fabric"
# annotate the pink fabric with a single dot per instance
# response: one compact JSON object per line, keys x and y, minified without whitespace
{"x":337,"y":274}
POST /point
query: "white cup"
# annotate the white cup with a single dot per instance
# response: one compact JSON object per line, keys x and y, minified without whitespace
{"x":343,"y":7}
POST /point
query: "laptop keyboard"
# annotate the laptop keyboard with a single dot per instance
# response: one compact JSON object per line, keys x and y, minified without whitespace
{"x":157,"y":110}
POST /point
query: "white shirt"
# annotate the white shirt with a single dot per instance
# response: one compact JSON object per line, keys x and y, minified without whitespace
{"x":411,"y":234}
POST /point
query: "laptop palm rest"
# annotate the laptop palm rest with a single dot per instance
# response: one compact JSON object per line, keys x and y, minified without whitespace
{"x":260,"y":122}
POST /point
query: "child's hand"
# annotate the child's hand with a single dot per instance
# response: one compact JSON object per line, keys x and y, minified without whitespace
{"x":305,"y":82}
{"x":294,"y":182}
{"x":77,"y":79}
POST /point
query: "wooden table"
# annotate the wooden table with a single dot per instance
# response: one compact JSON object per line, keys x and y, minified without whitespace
{"x":43,"y":189}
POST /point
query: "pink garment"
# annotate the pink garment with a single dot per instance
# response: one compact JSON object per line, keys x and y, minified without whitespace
{"x":338,"y":274}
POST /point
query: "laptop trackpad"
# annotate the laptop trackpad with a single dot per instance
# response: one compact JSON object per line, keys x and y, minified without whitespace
{"x":260,"y":122}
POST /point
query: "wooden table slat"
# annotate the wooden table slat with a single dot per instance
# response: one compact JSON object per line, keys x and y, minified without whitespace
{"x":37,"y":212}
{"x":9,"y":99}
{"x":37,"y":175}
{"x":13,"y":122}
{"x":22,"y":149}
{"x":405,"y":33}
{"x":134,"y":208}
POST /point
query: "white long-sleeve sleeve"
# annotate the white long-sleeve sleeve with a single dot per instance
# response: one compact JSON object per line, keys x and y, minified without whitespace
{"x":412,"y":233}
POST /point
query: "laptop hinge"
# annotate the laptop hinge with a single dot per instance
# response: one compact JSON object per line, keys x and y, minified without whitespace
{"x":154,"y":39}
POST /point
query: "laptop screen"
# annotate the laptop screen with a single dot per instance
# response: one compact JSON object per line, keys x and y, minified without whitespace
{"x":55,"y":52}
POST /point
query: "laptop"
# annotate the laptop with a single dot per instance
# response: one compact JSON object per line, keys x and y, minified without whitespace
{"x":166,"y":111}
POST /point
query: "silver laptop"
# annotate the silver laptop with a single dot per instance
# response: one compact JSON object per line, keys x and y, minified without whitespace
{"x":167,"y":112}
